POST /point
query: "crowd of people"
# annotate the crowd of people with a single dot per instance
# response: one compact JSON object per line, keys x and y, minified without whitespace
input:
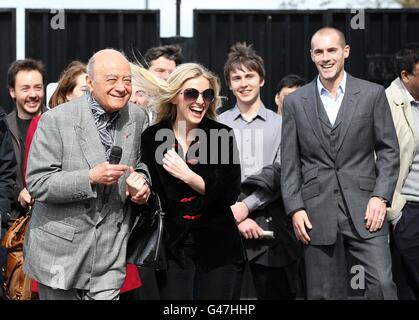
{"x":293,"y":199}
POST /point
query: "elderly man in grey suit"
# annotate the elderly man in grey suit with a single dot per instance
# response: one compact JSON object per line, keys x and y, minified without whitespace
{"x":76,"y":243}
{"x":333,"y":187}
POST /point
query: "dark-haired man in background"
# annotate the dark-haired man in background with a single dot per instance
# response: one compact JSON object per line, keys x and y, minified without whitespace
{"x":26,"y":88}
{"x":403,"y":97}
{"x":287,"y":85}
{"x":272,"y":261}
{"x":163,"y":60}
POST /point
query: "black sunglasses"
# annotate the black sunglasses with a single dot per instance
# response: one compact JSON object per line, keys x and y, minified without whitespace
{"x":191,"y":95}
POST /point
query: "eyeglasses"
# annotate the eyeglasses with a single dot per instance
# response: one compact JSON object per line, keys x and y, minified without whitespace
{"x":191,"y":95}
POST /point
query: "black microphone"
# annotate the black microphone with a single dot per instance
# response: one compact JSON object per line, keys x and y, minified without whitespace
{"x":114,"y":158}
{"x":115,"y":155}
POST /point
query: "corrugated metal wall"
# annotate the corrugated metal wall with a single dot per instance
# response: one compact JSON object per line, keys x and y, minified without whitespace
{"x":7,"y":52}
{"x":282,"y":38}
{"x":86,"y":32}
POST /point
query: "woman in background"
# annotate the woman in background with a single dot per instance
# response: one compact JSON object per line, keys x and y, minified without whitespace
{"x":72,"y":84}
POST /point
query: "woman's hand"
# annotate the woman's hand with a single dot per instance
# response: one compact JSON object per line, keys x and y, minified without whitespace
{"x":176,"y":166}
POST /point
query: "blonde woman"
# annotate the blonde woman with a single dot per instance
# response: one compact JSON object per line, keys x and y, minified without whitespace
{"x":194,"y":167}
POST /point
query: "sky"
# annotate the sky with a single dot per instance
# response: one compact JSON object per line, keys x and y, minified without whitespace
{"x":168,"y":10}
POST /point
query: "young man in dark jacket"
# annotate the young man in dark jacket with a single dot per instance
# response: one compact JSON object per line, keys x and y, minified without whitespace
{"x":7,"y":180}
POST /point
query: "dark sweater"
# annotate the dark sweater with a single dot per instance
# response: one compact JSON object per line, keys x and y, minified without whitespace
{"x":206,"y":219}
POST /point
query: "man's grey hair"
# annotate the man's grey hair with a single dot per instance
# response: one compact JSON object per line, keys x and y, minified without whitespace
{"x":91,"y":62}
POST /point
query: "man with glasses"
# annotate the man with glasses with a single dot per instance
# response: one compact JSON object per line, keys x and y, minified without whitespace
{"x":403,"y":97}
{"x":272,"y":261}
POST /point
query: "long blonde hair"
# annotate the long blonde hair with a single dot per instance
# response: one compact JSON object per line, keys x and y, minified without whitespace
{"x":163,"y":92}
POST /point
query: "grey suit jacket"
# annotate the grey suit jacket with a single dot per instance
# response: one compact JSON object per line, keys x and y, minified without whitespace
{"x":75,"y":240}
{"x":314,"y":179}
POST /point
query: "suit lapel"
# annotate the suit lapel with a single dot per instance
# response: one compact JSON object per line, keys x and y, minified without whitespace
{"x":88,"y":135}
{"x":124,"y":135}
{"x":349,"y":106}
{"x":12,"y":123}
{"x":311,"y":111}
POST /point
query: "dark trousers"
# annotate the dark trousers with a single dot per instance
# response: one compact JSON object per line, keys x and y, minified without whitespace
{"x":195,"y":283}
{"x":3,"y":255}
{"x":273,"y":283}
{"x":148,"y":289}
{"x":406,"y":240}
{"x":326,"y":268}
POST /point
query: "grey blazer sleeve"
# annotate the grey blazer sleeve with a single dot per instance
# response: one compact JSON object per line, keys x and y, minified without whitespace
{"x":386,"y":148}
{"x":290,"y":162}
{"x":258,"y":200}
{"x":46,"y":180}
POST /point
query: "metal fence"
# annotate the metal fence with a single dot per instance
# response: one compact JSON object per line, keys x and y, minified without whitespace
{"x":7,"y":52}
{"x":85,"y":32}
{"x":282,"y":38}
{"x":77,"y":35}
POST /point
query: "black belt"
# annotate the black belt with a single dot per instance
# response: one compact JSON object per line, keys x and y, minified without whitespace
{"x":412,"y":203}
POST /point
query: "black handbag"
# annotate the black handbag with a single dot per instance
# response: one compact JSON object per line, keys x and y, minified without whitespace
{"x":145,"y":244}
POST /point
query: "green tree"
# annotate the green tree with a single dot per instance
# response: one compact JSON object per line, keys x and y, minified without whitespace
{"x":408,"y":3}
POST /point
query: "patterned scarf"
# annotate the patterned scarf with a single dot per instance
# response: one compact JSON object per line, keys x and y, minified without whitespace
{"x":105,"y":123}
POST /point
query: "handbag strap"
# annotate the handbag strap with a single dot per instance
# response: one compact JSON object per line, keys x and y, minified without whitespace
{"x":160,"y":217}
{"x":158,"y":209}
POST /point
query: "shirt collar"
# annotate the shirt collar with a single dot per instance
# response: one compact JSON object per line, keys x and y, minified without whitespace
{"x":262,"y":112}
{"x":235,"y":112}
{"x":412,"y":100}
{"x":341,"y":88}
{"x":98,"y":111}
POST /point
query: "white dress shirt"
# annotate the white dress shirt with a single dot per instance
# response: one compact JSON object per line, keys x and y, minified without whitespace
{"x":330,"y":103}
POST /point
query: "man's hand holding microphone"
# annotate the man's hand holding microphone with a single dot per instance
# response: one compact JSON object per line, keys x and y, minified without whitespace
{"x":108,"y":173}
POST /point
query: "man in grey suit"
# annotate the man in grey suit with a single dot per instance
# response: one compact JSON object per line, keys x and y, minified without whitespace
{"x":76,"y":243}
{"x":333,"y":187}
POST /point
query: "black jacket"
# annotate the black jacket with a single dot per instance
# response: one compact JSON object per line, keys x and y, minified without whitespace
{"x":8,"y":168}
{"x":19,"y":151}
{"x":284,"y":248}
{"x":214,"y":232}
